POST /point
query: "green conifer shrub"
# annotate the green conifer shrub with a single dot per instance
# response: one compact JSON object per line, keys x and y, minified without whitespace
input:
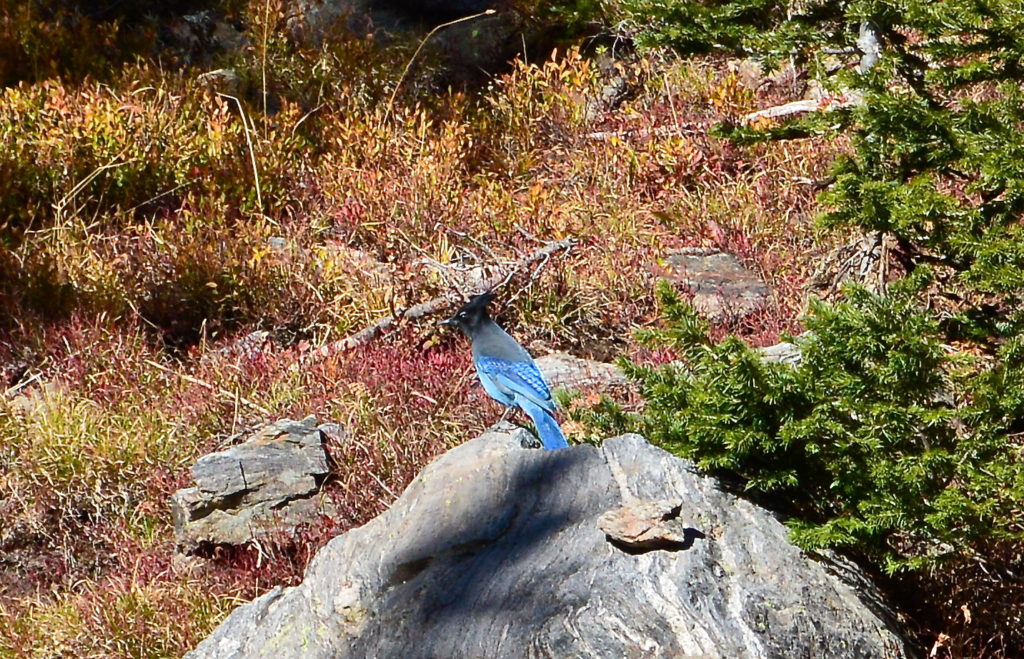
{"x":880,"y":439}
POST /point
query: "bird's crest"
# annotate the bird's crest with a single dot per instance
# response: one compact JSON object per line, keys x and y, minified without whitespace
{"x":471,"y":313}
{"x":478,"y":301}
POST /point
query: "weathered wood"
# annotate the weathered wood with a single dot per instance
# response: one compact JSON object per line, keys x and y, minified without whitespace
{"x":440,"y":303}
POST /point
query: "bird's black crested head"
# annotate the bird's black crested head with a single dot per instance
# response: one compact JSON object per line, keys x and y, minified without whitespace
{"x":472,"y":314}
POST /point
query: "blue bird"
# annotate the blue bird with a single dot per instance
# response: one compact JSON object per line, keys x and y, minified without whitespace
{"x":507,"y":372}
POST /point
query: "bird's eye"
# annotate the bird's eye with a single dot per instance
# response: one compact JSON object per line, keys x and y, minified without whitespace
{"x":463,"y":315}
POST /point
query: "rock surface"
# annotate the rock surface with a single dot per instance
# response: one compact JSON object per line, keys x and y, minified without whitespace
{"x":561,"y":369}
{"x":722,"y":287}
{"x":267,"y":484}
{"x":785,"y":352}
{"x":464,"y":49}
{"x":495,"y":551}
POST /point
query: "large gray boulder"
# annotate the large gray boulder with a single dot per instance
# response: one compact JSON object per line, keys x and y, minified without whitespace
{"x":495,"y":551}
{"x":463,"y":51}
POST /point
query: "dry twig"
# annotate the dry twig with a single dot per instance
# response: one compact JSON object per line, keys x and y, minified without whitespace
{"x":367,"y":334}
{"x":233,"y":397}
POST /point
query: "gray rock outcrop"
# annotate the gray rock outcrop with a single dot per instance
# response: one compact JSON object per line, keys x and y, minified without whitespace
{"x":267,"y":484}
{"x":721,"y":286}
{"x":495,"y":551}
{"x":563,"y":370}
{"x":785,"y":353}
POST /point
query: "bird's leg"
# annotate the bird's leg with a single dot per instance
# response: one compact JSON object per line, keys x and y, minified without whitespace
{"x":504,"y":414}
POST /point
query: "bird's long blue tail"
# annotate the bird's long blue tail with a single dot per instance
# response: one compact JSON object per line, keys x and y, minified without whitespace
{"x":550,"y":432}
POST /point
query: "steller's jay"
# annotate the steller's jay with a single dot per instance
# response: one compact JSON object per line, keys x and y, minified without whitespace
{"x":507,"y":372}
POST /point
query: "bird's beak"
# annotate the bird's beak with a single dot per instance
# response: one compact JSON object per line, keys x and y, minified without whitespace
{"x":448,"y":321}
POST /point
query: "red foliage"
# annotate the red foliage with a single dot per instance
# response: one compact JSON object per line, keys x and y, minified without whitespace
{"x":249,"y":570}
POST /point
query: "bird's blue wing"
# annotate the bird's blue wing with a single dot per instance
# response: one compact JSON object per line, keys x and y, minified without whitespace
{"x":520,"y":383}
{"x":516,"y":379}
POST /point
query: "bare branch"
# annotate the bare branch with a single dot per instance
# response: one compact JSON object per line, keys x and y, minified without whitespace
{"x":440,"y":303}
{"x":233,"y":397}
{"x":823,"y":104}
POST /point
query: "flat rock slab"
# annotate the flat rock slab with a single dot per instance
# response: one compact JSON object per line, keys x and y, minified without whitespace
{"x":639,"y":526}
{"x":785,"y":353}
{"x":560,"y":369}
{"x":722,"y":288}
{"x":267,"y":484}
{"x":495,"y":551}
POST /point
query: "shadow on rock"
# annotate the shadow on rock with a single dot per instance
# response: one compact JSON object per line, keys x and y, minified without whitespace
{"x":499,"y":551}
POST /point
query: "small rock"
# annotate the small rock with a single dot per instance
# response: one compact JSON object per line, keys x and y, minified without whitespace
{"x":640,"y":526}
{"x":722,"y":288}
{"x":277,"y":243}
{"x":354,"y":263}
{"x":267,"y":484}
{"x":224,"y":81}
{"x":620,"y":79}
{"x":748,"y":72}
{"x":337,"y":434}
{"x":187,"y":564}
{"x":785,"y":353}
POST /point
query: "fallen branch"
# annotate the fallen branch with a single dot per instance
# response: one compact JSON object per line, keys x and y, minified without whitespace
{"x":367,"y":334}
{"x":21,"y":385}
{"x":823,"y":104}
